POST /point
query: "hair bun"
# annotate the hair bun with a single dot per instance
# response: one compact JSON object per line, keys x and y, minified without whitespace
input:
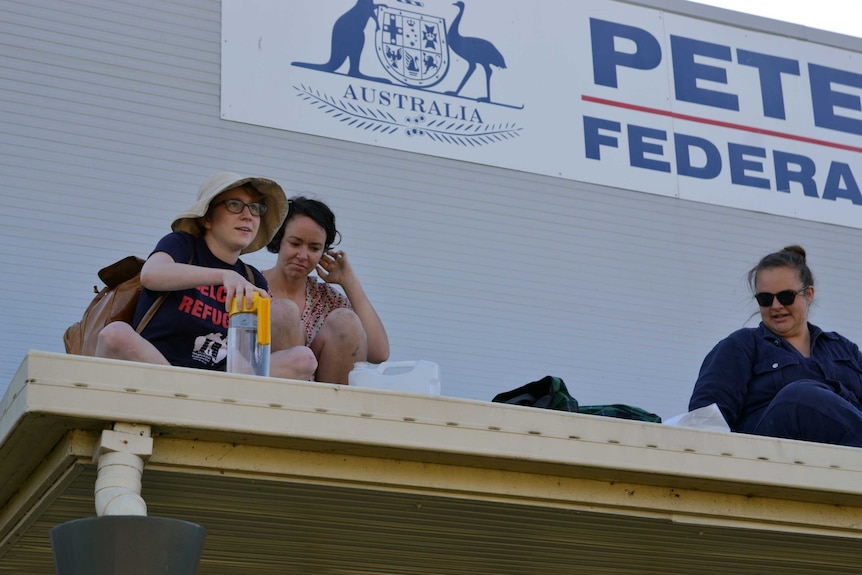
{"x":795,"y":249}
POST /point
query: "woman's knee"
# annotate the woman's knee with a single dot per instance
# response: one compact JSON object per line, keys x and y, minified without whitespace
{"x":344,"y":326}
{"x":814,"y":411}
{"x":808,"y":392}
{"x":115,"y":339}
{"x":285,"y":311}
{"x":287,"y":328}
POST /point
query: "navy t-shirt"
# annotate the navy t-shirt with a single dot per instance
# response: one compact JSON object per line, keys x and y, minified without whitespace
{"x":190,"y":328}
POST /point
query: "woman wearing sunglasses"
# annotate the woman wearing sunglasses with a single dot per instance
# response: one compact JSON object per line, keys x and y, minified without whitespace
{"x":786,"y":377}
{"x":198,"y":266}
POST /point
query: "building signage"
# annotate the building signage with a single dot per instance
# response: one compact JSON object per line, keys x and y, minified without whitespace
{"x":595,"y":90}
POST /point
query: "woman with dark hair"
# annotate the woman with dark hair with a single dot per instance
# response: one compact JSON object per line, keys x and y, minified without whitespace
{"x":340,"y":328}
{"x":786,"y":377}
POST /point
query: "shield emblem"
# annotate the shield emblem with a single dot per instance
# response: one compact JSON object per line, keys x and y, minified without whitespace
{"x":412,"y":47}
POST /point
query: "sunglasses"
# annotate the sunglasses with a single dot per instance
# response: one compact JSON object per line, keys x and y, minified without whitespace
{"x":236,"y":207}
{"x":786,"y":297}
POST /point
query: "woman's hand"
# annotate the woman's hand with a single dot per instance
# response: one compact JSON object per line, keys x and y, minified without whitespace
{"x":334,"y":268}
{"x":237,"y":286}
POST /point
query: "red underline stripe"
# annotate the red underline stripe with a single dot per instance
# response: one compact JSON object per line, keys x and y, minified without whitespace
{"x":730,"y":125}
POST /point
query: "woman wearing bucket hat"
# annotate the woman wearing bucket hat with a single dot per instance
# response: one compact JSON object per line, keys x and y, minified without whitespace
{"x":340,"y":328}
{"x":198,"y":265}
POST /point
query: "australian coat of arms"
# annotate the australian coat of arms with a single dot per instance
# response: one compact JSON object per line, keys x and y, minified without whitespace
{"x":415,"y":49}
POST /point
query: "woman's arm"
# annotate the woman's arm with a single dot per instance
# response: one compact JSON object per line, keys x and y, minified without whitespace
{"x":162,"y":273}
{"x":378,"y":341}
{"x":334,"y":268}
{"x":724,"y":377}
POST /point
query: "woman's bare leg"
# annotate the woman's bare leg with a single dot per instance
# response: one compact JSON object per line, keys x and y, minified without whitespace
{"x":287,"y":329}
{"x":339,"y":344}
{"x":118,"y":340}
{"x":295,"y":363}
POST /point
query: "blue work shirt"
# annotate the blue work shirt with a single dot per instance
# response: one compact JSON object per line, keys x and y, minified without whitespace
{"x":744,"y":372}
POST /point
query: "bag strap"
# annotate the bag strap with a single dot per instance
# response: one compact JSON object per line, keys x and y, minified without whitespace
{"x":161,"y":299}
{"x":156,"y":305}
{"x":151,"y":312}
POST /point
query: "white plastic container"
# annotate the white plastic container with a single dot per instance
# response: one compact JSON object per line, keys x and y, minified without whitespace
{"x":408,"y":376}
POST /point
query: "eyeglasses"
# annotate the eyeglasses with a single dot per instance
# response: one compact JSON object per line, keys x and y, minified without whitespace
{"x":786,"y":297}
{"x":236,"y":207}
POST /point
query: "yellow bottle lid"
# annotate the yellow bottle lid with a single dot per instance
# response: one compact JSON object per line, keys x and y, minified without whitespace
{"x":261,"y":307}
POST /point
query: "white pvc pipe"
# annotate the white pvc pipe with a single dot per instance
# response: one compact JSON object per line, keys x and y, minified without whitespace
{"x":118,"y":485}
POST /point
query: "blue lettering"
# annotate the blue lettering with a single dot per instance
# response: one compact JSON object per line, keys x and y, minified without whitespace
{"x":412,"y":103}
{"x":593,"y":140}
{"x":606,"y":58}
{"x":697,"y":157}
{"x":770,"y":68}
{"x":369,"y":94}
{"x":739,"y":165}
{"x":418,"y":104}
{"x":686,"y":72}
{"x":803,"y":175}
{"x":825,"y":99}
{"x":833,"y":190}
{"x":710,"y":169}
{"x":639,"y":148}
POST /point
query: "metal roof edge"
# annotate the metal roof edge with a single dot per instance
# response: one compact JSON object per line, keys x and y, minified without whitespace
{"x":69,"y":392}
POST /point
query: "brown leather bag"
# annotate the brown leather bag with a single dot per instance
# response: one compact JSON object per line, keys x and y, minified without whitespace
{"x":115,"y":302}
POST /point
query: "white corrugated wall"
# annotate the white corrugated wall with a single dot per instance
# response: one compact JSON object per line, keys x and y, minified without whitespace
{"x":109,"y":120}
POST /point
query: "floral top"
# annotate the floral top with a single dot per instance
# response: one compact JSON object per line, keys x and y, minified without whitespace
{"x":320,"y":299}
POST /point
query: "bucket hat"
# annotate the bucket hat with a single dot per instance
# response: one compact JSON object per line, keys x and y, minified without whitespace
{"x":273,"y":196}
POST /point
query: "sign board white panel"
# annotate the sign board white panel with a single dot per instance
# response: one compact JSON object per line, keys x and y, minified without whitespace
{"x":595,"y":90}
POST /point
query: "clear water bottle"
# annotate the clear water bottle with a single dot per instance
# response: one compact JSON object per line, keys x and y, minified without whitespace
{"x":248,"y":337}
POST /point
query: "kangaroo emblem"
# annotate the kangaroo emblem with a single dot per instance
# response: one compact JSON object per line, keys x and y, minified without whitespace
{"x":348,"y":40}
